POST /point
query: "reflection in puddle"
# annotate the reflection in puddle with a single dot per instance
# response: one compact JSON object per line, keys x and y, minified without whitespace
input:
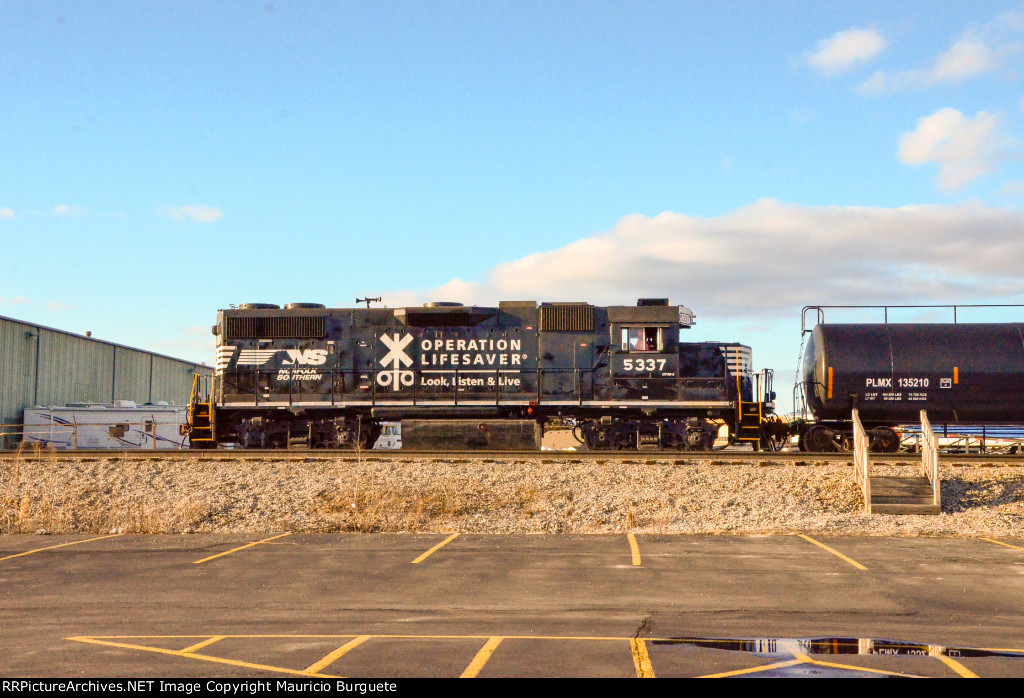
{"x":771,"y":646}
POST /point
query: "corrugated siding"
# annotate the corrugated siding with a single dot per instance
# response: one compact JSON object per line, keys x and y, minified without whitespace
{"x":131,"y":371}
{"x":72,"y":366}
{"x":172,"y":380}
{"x":78,"y":369}
{"x":17,"y":369}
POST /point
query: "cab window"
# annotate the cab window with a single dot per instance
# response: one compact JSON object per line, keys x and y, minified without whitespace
{"x":641,"y":339}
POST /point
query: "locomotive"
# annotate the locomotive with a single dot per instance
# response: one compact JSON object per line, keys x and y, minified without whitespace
{"x":956,"y":372}
{"x":455,"y":376}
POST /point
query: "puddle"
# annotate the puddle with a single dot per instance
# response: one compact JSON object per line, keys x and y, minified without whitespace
{"x":788,"y":646}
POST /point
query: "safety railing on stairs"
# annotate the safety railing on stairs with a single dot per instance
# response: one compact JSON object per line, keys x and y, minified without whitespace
{"x":930,"y":457}
{"x":860,"y":459}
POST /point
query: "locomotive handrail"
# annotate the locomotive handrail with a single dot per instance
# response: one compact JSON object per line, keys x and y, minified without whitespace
{"x":885,"y":308}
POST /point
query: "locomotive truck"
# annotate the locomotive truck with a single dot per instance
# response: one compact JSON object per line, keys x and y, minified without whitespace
{"x":455,"y":376}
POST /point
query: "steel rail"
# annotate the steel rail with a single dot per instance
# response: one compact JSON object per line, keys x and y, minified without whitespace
{"x":389,"y":455}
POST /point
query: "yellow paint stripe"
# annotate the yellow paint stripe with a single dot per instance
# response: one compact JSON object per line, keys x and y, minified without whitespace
{"x":437,"y":547}
{"x":999,"y":542}
{"x":340,"y":652}
{"x":641,"y":659}
{"x":850,"y":667}
{"x":834,"y":552}
{"x":956,"y":666}
{"x":62,"y":545}
{"x":829,"y":382}
{"x":243,"y":547}
{"x":204,"y":643}
{"x":634,"y":549}
{"x":481,"y":658}
{"x":201,"y":657}
{"x":752,"y":670}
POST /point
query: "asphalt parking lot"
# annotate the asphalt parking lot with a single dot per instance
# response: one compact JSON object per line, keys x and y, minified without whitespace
{"x":396,"y":605}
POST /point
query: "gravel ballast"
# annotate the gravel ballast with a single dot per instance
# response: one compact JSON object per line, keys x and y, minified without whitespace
{"x":545,"y":495}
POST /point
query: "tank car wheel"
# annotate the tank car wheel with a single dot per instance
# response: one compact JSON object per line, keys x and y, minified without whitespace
{"x":820,"y":439}
{"x":884,"y":440}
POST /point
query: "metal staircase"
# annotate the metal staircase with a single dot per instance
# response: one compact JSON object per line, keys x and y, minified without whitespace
{"x":899,"y":495}
{"x":199,"y":419}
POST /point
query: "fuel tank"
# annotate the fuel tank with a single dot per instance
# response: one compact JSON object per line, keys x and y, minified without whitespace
{"x":957,"y":372}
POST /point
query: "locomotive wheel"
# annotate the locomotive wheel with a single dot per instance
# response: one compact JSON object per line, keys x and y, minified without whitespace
{"x":820,"y":438}
{"x":884,"y":440}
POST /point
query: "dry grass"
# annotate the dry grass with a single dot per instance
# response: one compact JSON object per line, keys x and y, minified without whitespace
{"x":409,"y":508}
{"x":40,"y":494}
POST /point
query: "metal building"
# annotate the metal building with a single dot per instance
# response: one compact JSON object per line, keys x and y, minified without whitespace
{"x":44,"y":366}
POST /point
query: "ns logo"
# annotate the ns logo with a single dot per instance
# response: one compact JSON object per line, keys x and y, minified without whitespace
{"x":305,"y":357}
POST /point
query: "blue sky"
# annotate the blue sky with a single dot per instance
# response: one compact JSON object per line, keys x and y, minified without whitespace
{"x":159,"y":161}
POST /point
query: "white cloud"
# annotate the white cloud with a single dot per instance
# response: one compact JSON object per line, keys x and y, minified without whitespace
{"x":981,"y":49}
{"x":16,"y":300}
{"x":6,"y":213}
{"x":963,"y":148}
{"x":66,"y":211}
{"x":769,"y":259}
{"x":59,"y":305}
{"x":1012,"y":190}
{"x":842,"y":51}
{"x":196,"y":213}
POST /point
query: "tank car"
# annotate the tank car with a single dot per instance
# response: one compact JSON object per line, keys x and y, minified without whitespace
{"x":957,"y":372}
{"x":478,"y":377}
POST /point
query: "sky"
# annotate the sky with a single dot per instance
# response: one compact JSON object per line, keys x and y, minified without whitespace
{"x":160,"y":161}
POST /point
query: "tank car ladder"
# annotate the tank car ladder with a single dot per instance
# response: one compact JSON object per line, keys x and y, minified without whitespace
{"x":199,"y":419}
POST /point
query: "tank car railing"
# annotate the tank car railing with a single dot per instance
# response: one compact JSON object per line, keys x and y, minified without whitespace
{"x":820,"y":310}
{"x":930,"y":457}
{"x":860,"y":459}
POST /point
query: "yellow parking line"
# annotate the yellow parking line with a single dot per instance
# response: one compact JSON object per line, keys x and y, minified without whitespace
{"x":51,"y":547}
{"x":243,"y":547}
{"x":834,"y":552}
{"x":201,"y":657}
{"x":437,"y":547}
{"x":341,"y":651}
{"x":205,"y":643}
{"x":753,"y":670}
{"x":481,"y":658}
{"x":634,"y":549}
{"x":999,"y":542}
{"x":956,"y":666}
{"x":641,"y":659}
{"x":851,"y":667}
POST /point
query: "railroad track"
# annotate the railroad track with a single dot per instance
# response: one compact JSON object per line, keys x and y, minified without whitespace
{"x":725,"y":456}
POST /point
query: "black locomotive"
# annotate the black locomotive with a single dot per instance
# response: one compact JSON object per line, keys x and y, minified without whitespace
{"x":957,"y":372}
{"x":489,"y":377}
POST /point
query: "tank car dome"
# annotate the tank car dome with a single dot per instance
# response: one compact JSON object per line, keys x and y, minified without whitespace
{"x":442,"y":304}
{"x":297,"y":306}
{"x":259,"y":306}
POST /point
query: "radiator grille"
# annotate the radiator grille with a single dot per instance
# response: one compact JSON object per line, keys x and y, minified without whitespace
{"x":567,"y":318}
{"x":274,"y":327}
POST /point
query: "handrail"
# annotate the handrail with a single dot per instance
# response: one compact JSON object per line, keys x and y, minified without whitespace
{"x":930,"y":457}
{"x":885,"y":308}
{"x":860,"y":459}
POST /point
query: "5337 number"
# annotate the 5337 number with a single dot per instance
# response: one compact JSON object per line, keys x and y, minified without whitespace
{"x":643,"y":365}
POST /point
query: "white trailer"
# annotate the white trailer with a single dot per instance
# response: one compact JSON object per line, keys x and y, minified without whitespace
{"x":120,"y":425}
